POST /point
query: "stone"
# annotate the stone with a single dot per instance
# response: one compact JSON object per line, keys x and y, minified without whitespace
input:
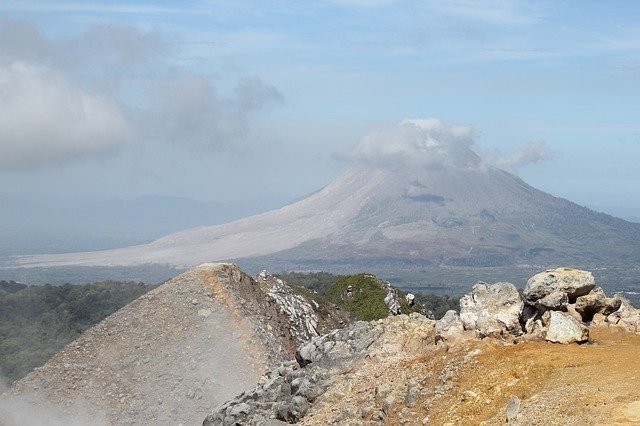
{"x":492,"y":309}
{"x":450,"y":328}
{"x":382,"y":391}
{"x":411,"y":397}
{"x":391,"y":301}
{"x":309,"y":352}
{"x":563,"y":328}
{"x":572,"y":282}
{"x":626,"y":317}
{"x":293,"y":411}
{"x":596,"y":302}
{"x":556,"y":301}
{"x":410,"y":298}
{"x":599,"y":319}
{"x":512,"y":409}
{"x":469,"y":396}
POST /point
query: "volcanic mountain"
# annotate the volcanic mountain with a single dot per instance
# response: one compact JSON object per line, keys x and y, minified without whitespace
{"x":416,"y":195}
{"x":454,"y":216}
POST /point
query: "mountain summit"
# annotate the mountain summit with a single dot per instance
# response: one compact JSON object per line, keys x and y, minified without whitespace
{"x":415,"y":194}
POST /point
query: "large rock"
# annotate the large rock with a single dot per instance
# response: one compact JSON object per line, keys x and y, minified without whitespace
{"x":556,"y":301}
{"x":626,"y":317}
{"x":572,"y":282}
{"x":492,"y":309}
{"x":596,"y":302}
{"x":563,"y":328}
{"x":450,"y":328}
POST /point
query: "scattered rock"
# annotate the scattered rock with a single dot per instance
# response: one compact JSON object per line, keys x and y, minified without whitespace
{"x":450,"y":328}
{"x":492,"y":309}
{"x":391,"y":301}
{"x":626,"y":317}
{"x":563,"y":328}
{"x":410,"y":298}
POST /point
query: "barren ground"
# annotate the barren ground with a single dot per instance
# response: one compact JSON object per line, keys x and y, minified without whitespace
{"x":471,"y":382}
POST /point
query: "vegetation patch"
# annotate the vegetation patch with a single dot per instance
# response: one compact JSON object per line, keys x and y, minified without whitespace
{"x":38,"y":321}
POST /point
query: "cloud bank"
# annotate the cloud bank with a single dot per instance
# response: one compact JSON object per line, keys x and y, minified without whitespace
{"x":430,"y":143}
{"x":113,"y":86}
{"x":45,"y":119}
{"x":417,"y":143}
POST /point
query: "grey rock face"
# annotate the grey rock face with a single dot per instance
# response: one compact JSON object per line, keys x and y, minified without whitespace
{"x":289,"y":391}
{"x":572,"y":282}
{"x":302,"y":317}
{"x":563,"y":328}
{"x":492,"y":309}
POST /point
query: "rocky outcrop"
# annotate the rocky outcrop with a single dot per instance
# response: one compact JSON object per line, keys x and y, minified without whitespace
{"x":572,"y":282}
{"x":492,"y":310}
{"x":303,"y":321}
{"x":626,"y":317}
{"x":296,"y":388}
{"x":561,"y":303}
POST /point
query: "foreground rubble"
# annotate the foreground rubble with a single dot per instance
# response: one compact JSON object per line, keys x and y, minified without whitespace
{"x":494,"y":362}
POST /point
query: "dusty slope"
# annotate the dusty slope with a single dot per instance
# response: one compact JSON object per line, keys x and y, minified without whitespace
{"x":169,"y":356}
{"x":392,"y":372}
{"x":313,"y":217}
{"x":472,"y":382}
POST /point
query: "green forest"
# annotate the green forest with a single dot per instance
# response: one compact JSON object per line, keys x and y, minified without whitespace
{"x":38,"y":321}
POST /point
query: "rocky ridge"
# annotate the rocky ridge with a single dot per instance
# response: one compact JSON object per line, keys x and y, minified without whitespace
{"x":167,"y":357}
{"x":408,"y":369}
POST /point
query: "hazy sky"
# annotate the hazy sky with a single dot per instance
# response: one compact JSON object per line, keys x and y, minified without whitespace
{"x":227,"y":100}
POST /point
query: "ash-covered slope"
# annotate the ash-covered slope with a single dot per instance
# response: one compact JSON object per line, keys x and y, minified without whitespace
{"x":167,"y":357}
{"x":460,"y":216}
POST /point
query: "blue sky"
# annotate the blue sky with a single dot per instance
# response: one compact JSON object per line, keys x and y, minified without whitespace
{"x":227,"y":100}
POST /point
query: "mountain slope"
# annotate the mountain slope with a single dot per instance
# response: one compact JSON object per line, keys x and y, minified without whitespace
{"x":461,"y":216}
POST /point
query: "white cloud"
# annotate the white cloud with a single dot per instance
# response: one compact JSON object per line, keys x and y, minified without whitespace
{"x":417,"y":142}
{"x":433,"y":144}
{"x":84,"y":96}
{"x":45,"y":120}
{"x":530,"y":153}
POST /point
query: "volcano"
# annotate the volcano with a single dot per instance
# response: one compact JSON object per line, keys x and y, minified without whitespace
{"x":415,"y":195}
{"x":452,"y":216}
